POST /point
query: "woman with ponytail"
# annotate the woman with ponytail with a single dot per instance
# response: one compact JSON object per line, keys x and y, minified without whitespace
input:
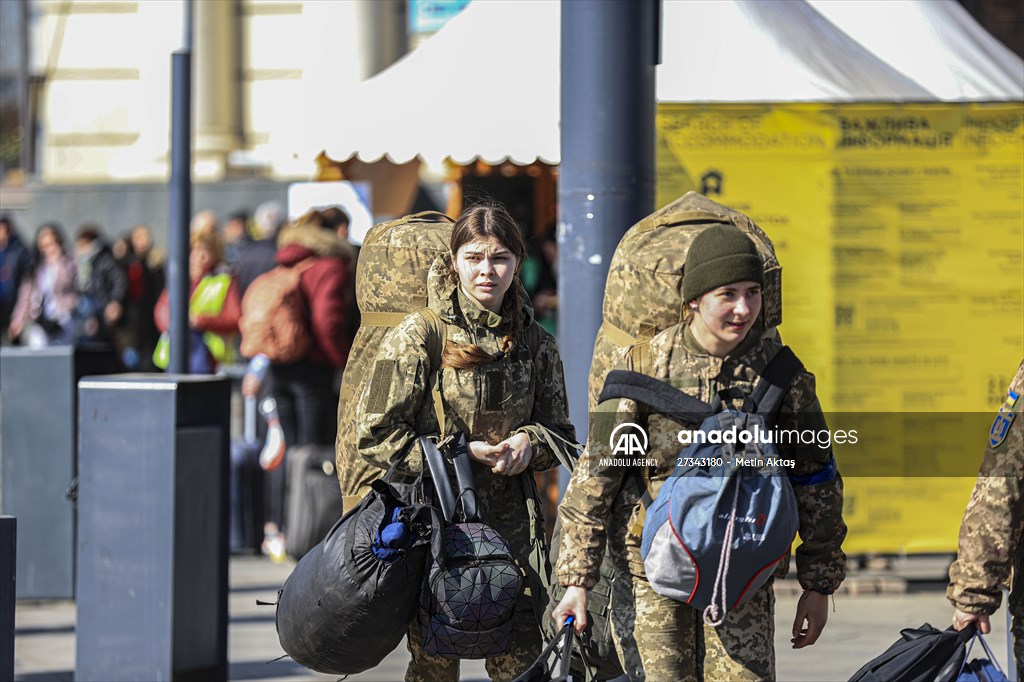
{"x":501,"y":383}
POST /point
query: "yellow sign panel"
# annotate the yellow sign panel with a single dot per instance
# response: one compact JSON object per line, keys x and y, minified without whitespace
{"x":900,"y":230}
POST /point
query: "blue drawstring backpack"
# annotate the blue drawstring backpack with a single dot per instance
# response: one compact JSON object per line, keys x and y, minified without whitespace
{"x":728,"y":513}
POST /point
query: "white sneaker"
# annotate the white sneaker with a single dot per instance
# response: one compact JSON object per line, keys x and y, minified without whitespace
{"x":273,"y":449}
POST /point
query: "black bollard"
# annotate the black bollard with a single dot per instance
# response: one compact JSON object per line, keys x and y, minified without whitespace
{"x":8,"y":552}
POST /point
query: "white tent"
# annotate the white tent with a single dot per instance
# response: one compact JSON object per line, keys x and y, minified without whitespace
{"x":487,"y":85}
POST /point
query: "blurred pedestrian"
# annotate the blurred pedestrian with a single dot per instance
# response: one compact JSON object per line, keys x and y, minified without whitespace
{"x":992,"y":533}
{"x":303,"y":388}
{"x":15,"y":262}
{"x":101,"y":286}
{"x":213,"y":310}
{"x":205,"y":222}
{"x":236,"y":236}
{"x":137,"y":335}
{"x":44,"y":313}
{"x":259,"y":256}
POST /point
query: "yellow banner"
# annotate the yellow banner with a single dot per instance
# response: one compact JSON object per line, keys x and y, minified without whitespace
{"x":900,"y":229}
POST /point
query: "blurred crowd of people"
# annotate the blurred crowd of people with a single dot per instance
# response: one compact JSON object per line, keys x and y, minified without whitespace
{"x":103,"y":292}
{"x":90,"y":293}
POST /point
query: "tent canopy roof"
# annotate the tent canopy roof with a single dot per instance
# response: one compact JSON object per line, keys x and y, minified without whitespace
{"x":487,"y":85}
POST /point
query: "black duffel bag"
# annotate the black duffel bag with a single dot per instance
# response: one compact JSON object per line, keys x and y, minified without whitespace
{"x":350,"y":600}
{"x":923,"y":654}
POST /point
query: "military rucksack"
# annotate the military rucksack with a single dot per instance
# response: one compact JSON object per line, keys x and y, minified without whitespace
{"x":643,"y":294}
{"x":275,"y":318}
{"x":391,"y":282}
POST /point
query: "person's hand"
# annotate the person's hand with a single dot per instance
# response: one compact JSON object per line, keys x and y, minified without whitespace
{"x":112,"y":312}
{"x":516,"y":455}
{"x":961,"y":619}
{"x":14,"y":329}
{"x":574,"y":603}
{"x":484,"y":452}
{"x":250,"y":385}
{"x":811,"y":616}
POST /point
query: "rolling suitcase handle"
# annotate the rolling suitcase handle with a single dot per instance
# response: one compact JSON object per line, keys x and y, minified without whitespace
{"x":249,"y":420}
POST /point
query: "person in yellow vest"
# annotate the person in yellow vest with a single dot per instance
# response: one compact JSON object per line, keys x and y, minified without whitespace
{"x":213,"y":310}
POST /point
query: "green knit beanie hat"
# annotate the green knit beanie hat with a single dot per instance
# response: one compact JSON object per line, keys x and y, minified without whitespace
{"x":721,"y":254}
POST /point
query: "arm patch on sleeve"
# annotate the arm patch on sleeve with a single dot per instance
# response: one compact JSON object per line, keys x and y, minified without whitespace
{"x":380,"y":386}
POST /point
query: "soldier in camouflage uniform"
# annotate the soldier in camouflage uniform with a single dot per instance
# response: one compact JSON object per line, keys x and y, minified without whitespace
{"x":993,"y":528}
{"x":501,"y":380}
{"x":717,"y":347}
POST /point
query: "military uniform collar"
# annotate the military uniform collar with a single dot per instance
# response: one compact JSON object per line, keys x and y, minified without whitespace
{"x":744,"y":347}
{"x":476,"y":314}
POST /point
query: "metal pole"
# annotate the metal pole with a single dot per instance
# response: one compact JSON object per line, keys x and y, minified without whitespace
{"x":606,"y":180}
{"x":180,"y":191}
{"x":24,"y":108}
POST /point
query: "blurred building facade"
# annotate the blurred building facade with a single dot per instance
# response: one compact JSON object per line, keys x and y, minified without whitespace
{"x":264,"y":74}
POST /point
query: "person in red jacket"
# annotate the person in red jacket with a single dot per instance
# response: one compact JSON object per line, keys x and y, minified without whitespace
{"x":304,"y":390}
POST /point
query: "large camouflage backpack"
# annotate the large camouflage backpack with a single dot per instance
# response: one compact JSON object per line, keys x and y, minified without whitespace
{"x":391,"y":282}
{"x":644,"y":291}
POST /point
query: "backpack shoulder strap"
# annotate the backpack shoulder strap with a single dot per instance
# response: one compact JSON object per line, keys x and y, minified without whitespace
{"x":437,"y":338}
{"x":655,"y":394}
{"x":766,"y":397}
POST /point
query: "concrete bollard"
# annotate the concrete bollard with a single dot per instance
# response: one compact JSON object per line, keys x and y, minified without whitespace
{"x":37,"y":392}
{"x":152,"y":581}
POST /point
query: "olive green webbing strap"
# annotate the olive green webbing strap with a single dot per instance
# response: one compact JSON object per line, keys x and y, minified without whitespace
{"x":379,"y":319}
{"x":437,"y":338}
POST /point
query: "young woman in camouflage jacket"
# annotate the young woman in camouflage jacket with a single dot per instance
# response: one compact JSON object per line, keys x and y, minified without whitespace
{"x":715,"y":348}
{"x":501,"y":381}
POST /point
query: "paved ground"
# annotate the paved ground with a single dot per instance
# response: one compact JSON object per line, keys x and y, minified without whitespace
{"x":866,"y":620}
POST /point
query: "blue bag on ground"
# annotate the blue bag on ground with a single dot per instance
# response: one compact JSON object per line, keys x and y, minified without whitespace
{"x":350,"y":600}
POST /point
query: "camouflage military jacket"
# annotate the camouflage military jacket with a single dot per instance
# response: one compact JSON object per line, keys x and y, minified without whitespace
{"x":489,"y":402}
{"x":993,"y":525}
{"x":591,"y":509}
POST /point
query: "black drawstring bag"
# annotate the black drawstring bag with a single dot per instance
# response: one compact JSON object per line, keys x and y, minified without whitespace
{"x":350,"y":600}
{"x":924,"y":654}
{"x":561,"y":646}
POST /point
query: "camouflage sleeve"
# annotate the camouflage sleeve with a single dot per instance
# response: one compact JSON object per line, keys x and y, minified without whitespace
{"x":388,"y":407}
{"x":820,"y":560}
{"x":550,"y":405}
{"x":990,"y":534}
{"x":586,"y":510}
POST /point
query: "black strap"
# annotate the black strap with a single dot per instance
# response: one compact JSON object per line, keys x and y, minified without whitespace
{"x":439,"y":473}
{"x":464,"y":477}
{"x":766,"y":397}
{"x":656,"y":394}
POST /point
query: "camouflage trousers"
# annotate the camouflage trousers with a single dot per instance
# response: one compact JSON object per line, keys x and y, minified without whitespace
{"x":676,"y":646}
{"x":526,"y":646}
